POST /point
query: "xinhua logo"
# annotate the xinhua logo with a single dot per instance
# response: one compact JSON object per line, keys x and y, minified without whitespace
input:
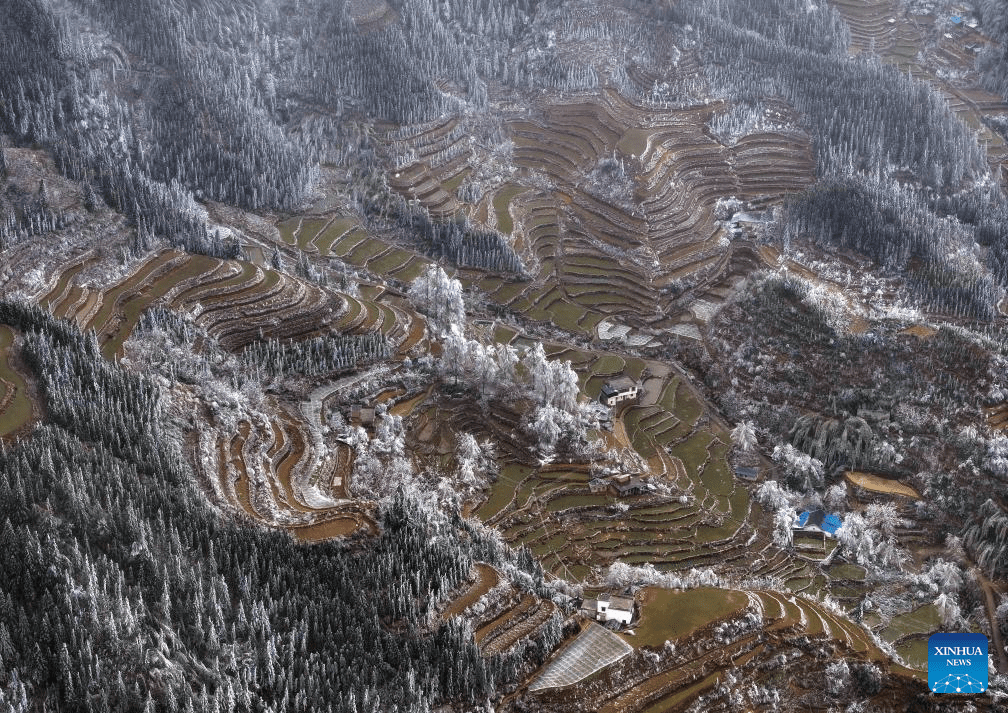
{"x":957,"y":663}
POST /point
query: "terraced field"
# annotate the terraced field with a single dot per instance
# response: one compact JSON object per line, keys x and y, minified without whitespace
{"x":520,"y":619}
{"x":920,"y":623}
{"x":690,"y":668}
{"x":236,"y":301}
{"x":277,"y":472}
{"x":248,"y":303}
{"x":315,"y":234}
{"x":67,"y":298}
{"x":615,"y":200}
{"x":872,"y":22}
{"x":486,"y":579}
{"x":601,"y":259}
{"x":282,"y":470}
{"x":341,"y":237}
{"x":923,"y":46}
{"x":670,"y":615}
{"x":432,"y":160}
{"x":16,"y":409}
{"x":698,"y":517}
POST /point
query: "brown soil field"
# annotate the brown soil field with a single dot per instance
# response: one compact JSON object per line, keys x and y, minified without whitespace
{"x":878,"y":484}
{"x":486,"y":579}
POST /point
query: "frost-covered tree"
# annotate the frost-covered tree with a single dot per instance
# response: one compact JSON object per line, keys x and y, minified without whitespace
{"x":943,"y":576}
{"x":838,"y":677}
{"x":439,"y":296}
{"x":558,"y":430}
{"x":490,"y":370}
{"x":477,"y":462}
{"x":856,"y":538}
{"x":551,"y":382}
{"x":744,"y":436}
{"x":871,"y":540}
{"x":772,"y":496}
{"x":783,"y":529}
{"x":381,"y":465}
{"x":996,"y":459}
{"x":987,"y":538}
{"x":948,"y":610}
{"x":799,"y":469}
{"x":836,"y":497}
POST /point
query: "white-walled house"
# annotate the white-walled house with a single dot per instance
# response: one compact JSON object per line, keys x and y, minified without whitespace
{"x":609,"y":607}
{"x":620,"y":389}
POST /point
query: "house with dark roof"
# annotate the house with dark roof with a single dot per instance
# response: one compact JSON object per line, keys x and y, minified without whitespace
{"x":597,"y":485}
{"x":746,"y":472}
{"x":625,"y":485}
{"x":622,"y":388}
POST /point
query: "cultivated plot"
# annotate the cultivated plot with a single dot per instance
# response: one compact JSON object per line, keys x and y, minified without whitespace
{"x":595,"y":648}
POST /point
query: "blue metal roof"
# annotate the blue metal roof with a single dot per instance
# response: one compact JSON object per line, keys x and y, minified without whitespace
{"x":956,"y":19}
{"x":831,"y":523}
{"x":827,"y":522}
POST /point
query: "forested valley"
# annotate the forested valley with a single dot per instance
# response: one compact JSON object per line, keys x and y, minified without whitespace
{"x":356,"y":355}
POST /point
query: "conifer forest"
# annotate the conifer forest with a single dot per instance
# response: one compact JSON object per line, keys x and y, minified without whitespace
{"x":512,"y":356}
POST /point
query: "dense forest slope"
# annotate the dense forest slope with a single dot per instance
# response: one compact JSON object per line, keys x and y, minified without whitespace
{"x":309,"y":312}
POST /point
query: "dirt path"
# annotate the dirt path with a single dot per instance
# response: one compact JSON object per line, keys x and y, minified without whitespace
{"x":1002,"y":658}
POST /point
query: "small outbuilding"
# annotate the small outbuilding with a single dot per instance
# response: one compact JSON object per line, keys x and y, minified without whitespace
{"x":747,"y":472}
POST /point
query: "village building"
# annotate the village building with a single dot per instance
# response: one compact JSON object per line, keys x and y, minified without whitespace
{"x":609,"y":607}
{"x":625,"y":485}
{"x":817,"y":522}
{"x":747,"y":472}
{"x":362,"y":415}
{"x":620,"y":389}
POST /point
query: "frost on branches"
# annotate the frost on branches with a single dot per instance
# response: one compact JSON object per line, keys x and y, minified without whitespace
{"x":744,"y":436}
{"x":870,"y":539}
{"x":439,"y":296}
{"x":487,"y":369}
{"x":557,"y":419}
{"x":782,"y":501}
{"x":773,"y":496}
{"x":477,"y":463}
{"x":380,"y":463}
{"x":800,"y":469}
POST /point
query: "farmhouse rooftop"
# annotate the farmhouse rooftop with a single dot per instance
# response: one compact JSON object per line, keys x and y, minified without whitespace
{"x":617,"y":601}
{"x":618,"y":384}
{"x":747,"y":472}
{"x":818,"y":521}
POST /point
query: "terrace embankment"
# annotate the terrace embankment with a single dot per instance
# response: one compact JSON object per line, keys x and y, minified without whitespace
{"x":16,"y":409}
